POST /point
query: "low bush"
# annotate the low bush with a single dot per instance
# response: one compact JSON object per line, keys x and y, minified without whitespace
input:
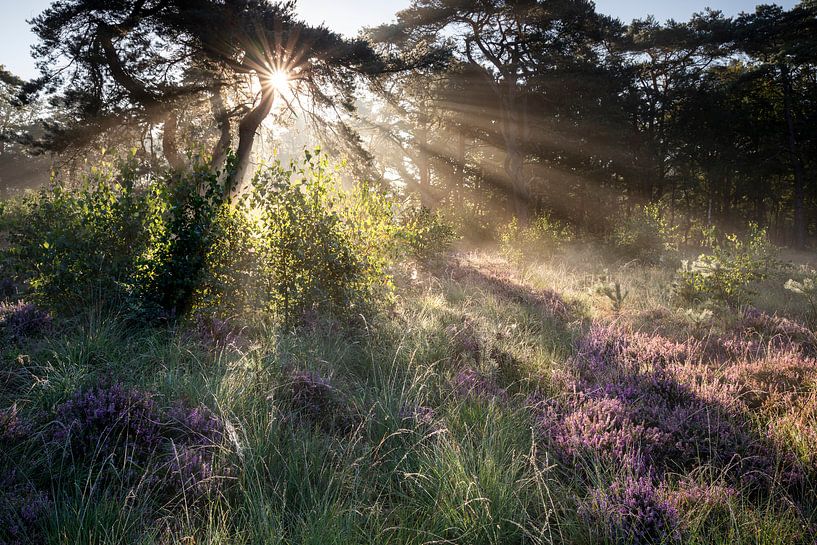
{"x":318,"y":247}
{"x":645,"y":235}
{"x":427,"y":235}
{"x":727,"y":273}
{"x":159,"y":247}
{"x":543,"y":237}
{"x":95,"y":242}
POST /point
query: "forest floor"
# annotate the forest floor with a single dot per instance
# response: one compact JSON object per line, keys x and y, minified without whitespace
{"x":493,"y":403}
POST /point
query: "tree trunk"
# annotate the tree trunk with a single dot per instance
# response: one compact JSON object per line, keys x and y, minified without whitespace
{"x":797,"y":164}
{"x":247,"y":129}
{"x":222,"y":147}
{"x":424,"y":167}
{"x":169,"y":146}
{"x":515,"y":156}
{"x":460,"y":158}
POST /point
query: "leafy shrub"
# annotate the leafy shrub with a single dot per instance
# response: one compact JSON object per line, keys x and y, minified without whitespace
{"x":322,"y":249}
{"x":427,"y":234}
{"x":183,"y":234}
{"x":91,"y":243}
{"x":645,"y":235}
{"x":726,"y":274}
{"x":539,"y":240}
{"x":159,"y":247}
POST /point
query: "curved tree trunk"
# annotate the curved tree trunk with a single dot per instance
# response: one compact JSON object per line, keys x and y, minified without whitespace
{"x":247,"y":129}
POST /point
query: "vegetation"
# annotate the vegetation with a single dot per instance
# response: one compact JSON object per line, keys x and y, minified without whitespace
{"x":533,"y":290}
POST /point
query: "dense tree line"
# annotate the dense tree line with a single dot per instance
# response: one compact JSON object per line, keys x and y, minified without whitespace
{"x":490,"y":106}
{"x":550,"y":106}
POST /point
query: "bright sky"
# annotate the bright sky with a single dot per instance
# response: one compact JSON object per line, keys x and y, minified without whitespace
{"x":346,"y":16}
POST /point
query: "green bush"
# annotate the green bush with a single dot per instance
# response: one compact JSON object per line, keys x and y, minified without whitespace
{"x":96,"y":242}
{"x":159,"y":247}
{"x":427,"y":235}
{"x":727,"y":274}
{"x":644,"y":236}
{"x":539,"y":240}
{"x":322,"y":249}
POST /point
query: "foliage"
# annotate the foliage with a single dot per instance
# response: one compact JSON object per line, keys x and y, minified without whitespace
{"x":95,"y":242}
{"x":160,"y":247}
{"x":727,"y":274}
{"x":186,"y":231}
{"x":426,"y":233}
{"x":539,"y":240}
{"x":807,"y":289}
{"x":644,"y":235}
{"x":322,"y":249}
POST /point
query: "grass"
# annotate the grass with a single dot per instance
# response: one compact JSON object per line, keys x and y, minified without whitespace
{"x":419,"y":457}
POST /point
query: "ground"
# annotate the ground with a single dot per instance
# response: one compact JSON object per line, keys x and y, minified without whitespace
{"x":492,"y":403}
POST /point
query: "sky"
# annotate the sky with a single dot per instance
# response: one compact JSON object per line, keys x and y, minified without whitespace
{"x":347,"y":17}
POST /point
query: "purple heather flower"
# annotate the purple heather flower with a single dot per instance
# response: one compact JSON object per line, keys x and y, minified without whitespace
{"x":418,"y":414}
{"x":23,"y":509}
{"x":198,"y":424}
{"x":632,"y":511}
{"x":23,"y":320}
{"x":12,"y":427}
{"x":106,"y":419}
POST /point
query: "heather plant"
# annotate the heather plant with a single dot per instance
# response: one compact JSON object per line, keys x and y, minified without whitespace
{"x":470,"y":383}
{"x":177,"y":448}
{"x":109,"y":421}
{"x":316,"y":402}
{"x":23,"y":511}
{"x":21,"y":320}
{"x":13,"y":426}
{"x":193,"y":438}
{"x":633,"y":511}
{"x":761,"y":333}
{"x":633,"y":394}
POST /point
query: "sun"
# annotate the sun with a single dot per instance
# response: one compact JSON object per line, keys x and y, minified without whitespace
{"x":280,"y":80}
